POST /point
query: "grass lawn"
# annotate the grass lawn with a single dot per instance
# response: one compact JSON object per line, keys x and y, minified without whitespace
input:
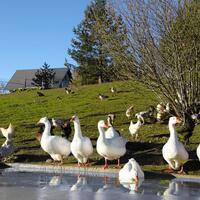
{"x":24,"y":109}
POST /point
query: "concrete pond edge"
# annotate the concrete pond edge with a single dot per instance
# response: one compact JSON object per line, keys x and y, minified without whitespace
{"x":90,"y":171}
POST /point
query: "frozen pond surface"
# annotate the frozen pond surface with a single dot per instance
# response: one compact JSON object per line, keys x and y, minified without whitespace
{"x":55,"y":186}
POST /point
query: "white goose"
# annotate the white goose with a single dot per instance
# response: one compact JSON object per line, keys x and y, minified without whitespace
{"x":81,"y":147}
{"x":109,"y":148}
{"x":198,"y":152}
{"x":57,"y":147}
{"x":9,"y":132}
{"x":131,"y":172}
{"x":173,"y":151}
{"x":131,"y":175}
{"x":111,"y":131}
{"x":134,"y":128}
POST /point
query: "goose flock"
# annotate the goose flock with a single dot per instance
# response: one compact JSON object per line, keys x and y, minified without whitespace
{"x":110,"y":145}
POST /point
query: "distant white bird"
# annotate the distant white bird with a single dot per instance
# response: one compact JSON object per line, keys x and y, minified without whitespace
{"x":160,"y":111}
{"x":134,"y":128}
{"x":113,"y":90}
{"x":148,"y":114}
{"x":57,"y":147}
{"x":81,"y":146}
{"x":102,"y":97}
{"x":129,"y":112}
{"x":168,"y":107}
{"x":9,"y":132}
{"x":173,"y":151}
{"x":68,"y":90}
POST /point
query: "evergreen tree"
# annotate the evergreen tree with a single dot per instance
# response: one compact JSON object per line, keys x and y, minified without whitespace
{"x":89,"y":50}
{"x":44,"y":77}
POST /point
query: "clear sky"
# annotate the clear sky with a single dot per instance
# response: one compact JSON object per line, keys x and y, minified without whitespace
{"x":36,"y":31}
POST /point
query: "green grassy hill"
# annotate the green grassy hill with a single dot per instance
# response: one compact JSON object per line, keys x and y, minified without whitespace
{"x":24,"y":109}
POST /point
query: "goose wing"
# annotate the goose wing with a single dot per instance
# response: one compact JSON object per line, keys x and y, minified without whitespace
{"x":118,"y":142}
{"x":59,"y":145}
{"x":183,"y":154}
{"x":88,"y":148}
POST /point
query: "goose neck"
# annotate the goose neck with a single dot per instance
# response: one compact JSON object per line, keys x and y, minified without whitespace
{"x":101,"y":132}
{"x":172,"y":131}
{"x":47,"y":129}
{"x":77,"y":129}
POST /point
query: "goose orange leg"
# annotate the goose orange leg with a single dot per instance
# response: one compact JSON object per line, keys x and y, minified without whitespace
{"x":118,"y":164}
{"x":106,"y":164}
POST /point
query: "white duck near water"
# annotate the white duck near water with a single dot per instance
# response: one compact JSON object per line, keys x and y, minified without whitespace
{"x":57,"y":147}
{"x":131,"y":175}
{"x":173,"y":151}
{"x":81,"y":147}
{"x":198,"y":152}
{"x":9,"y":132}
{"x":131,"y":172}
{"x":109,"y":148}
{"x":134,"y":128}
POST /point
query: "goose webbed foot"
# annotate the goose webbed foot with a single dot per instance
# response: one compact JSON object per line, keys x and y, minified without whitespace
{"x":105,"y":166}
{"x":182,"y":171}
{"x":79,"y":164}
{"x":118,"y":166}
{"x":169,"y":170}
{"x":87,"y":164}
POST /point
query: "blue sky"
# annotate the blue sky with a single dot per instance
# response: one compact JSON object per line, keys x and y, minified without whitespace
{"x":36,"y":31}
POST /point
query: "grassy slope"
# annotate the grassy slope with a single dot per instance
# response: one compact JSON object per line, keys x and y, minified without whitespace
{"x":24,"y":109}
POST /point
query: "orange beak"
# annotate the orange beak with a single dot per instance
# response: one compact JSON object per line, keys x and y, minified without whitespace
{"x":179,"y":120}
{"x":106,"y":125}
{"x":72,"y":119}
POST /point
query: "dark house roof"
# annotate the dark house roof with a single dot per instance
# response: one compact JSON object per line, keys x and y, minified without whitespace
{"x":23,"y":78}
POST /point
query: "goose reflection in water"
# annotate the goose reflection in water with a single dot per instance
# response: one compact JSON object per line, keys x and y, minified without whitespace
{"x":109,"y":190}
{"x":52,"y":187}
{"x":81,"y":185}
{"x":81,"y":190}
{"x":133,"y":187}
{"x":179,"y":188}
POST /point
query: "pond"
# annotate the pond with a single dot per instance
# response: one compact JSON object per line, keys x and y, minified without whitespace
{"x":68,"y":186}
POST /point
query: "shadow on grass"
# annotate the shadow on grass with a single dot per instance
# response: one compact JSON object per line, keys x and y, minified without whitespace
{"x":145,"y":153}
{"x":150,"y":154}
{"x":28,"y":158}
{"x":158,"y":135}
